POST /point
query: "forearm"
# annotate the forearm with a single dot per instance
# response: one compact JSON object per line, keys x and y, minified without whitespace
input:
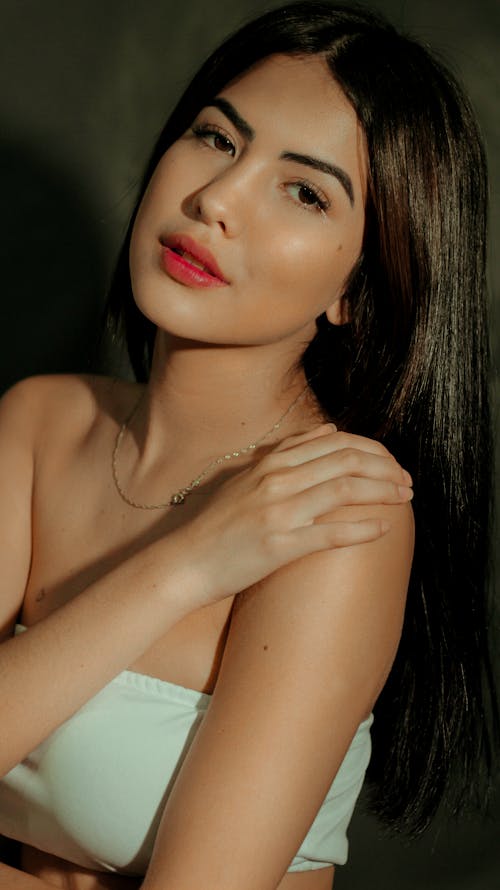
{"x":264,"y":515}
{"x":47,"y":673}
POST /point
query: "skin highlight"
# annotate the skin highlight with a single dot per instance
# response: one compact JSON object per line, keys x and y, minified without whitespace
{"x":243,"y":199}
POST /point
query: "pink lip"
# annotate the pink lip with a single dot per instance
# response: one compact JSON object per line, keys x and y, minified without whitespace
{"x":181,"y":269}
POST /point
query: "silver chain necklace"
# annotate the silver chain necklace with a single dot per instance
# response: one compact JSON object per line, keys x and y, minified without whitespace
{"x":178,"y":497}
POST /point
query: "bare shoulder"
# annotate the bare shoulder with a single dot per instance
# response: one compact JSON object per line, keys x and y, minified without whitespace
{"x":334,"y":616}
{"x":43,"y":421}
{"x":392,"y":552}
{"x":384,"y":563}
{"x":36,"y":403}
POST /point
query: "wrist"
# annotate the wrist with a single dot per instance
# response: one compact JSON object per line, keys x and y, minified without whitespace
{"x":189,"y":576}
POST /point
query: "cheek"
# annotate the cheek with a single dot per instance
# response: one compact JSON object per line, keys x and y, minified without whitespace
{"x":316,"y":264}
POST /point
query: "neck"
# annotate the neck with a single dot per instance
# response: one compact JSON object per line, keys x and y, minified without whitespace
{"x":206,"y":400}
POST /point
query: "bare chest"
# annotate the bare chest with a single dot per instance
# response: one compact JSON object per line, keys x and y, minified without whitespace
{"x":81,"y":531}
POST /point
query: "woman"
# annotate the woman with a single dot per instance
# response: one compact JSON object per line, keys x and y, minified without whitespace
{"x":210,"y":581}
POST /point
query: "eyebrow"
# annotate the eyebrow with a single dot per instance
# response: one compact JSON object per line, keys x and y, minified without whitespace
{"x":230,"y":111}
{"x":248,"y":133}
{"x":323,"y":167}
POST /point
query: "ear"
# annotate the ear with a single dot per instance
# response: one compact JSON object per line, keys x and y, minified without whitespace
{"x":338,"y":311}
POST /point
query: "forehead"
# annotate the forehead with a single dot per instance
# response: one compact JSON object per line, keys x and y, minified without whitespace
{"x":295,"y":102}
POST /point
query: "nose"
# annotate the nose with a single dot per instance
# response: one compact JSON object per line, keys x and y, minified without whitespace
{"x":222,"y":202}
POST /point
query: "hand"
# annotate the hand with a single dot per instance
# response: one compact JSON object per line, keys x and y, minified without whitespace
{"x":279,"y":509}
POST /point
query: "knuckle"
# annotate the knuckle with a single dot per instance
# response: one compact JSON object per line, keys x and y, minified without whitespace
{"x":338,"y":534}
{"x":342,"y":438}
{"x":389,"y":492}
{"x":342,"y":488}
{"x":396,"y":494}
{"x":354,"y":441}
{"x":268,"y":463}
{"x":273,"y":485}
{"x":353,"y":458}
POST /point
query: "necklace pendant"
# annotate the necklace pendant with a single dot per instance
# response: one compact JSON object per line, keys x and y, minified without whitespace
{"x":177,"y":498}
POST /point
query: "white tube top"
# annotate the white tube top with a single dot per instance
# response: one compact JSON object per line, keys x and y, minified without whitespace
{"x":93,"y":792}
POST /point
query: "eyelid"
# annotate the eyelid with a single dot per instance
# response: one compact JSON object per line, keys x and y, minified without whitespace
{"x":205,"y":128}
{"x":202,"y":128}
{"x":324,"y":202}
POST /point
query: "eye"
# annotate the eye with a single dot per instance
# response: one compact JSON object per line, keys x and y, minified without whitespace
{"x":214,"y":137}
{"x":307,"y":196}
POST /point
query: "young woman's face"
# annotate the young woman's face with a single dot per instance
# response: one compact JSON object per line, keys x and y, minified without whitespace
{"x":270,"y":181}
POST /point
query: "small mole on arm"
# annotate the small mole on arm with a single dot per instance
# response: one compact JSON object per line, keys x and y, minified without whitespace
{"x":39,"y":597}
{"x":266,"y":647}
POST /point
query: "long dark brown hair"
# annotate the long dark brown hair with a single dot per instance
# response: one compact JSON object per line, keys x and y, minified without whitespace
{"x":410,"y":369}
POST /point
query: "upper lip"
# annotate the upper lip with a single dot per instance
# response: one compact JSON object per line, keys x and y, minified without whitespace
{"x":187,"y":244}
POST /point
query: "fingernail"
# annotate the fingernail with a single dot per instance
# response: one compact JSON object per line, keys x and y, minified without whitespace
{"x":405,"y":492}
{"x":331,"y":426}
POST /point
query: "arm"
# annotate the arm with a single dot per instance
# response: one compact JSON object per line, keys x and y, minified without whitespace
{"x":98,"y":633}
{"x":308,"y":652}
{"x":104,"y":629}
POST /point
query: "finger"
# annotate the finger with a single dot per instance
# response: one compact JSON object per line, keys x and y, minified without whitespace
{"x":308,"y":505}
{"x":333,"y":465}
{"x":323,"y":429}
{"x":290,"y":454}
{"x":332,"y":535}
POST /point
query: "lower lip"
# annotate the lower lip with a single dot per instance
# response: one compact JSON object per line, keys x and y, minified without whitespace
{"x":181,"y":270}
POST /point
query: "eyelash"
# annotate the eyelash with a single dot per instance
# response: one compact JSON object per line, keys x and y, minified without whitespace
{"x":202,"y":132}
{"x":321,"y":202}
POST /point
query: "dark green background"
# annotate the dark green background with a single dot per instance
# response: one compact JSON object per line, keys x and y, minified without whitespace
{"x":85,"y":86}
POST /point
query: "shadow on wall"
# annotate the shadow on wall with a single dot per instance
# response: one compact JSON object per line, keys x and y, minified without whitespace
{"x":52,"y":267}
